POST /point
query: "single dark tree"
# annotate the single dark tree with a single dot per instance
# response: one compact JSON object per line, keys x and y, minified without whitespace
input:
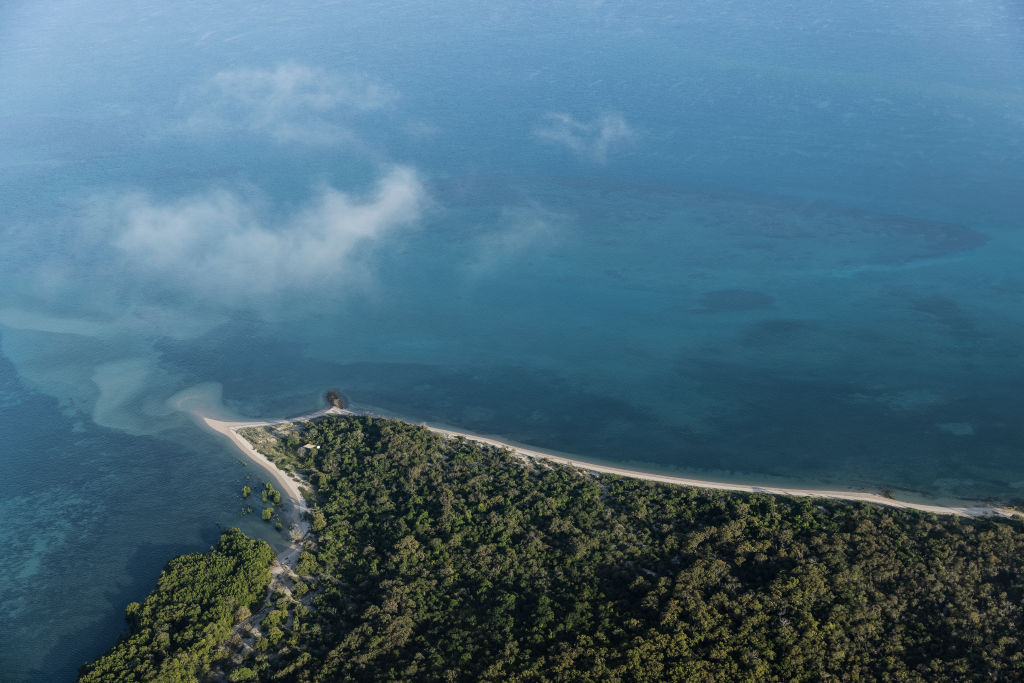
{"x":334,"y":399}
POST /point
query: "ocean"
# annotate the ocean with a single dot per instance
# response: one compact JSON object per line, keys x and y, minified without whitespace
{"x":724,"y":240}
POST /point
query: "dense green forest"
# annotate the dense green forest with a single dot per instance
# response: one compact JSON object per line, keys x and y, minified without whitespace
{"x":178,"y":631}
{"x":451,"y":560}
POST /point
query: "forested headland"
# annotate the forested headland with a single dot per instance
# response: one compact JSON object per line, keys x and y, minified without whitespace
{"x":434,"y":559}
{"x":177,"y":633}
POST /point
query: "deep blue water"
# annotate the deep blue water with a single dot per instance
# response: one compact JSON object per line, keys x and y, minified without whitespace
{"x":722,"y":239}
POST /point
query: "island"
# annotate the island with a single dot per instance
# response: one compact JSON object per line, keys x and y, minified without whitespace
{"x":418,"y":553}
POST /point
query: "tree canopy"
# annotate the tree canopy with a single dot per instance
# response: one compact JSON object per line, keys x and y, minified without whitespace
{"x":437,"y":559}
{"x":177,"y":632}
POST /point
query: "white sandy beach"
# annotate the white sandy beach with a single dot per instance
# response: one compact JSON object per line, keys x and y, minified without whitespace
{"x":976,"y":511}
{"x":288,"y":485}
{"x":291,"y":486}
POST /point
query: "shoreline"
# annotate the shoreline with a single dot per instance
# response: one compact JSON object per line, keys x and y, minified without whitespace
{"x":290,"y":485}
{"x":230,"y":429}
{"x":853,"y":496}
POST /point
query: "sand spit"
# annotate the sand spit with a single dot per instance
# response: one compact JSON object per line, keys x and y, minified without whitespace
{"x":291,"y":486}
{"x":967,"y":511}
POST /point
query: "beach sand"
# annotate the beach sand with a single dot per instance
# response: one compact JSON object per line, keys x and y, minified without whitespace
{"x":290,"y":486}
{"x":860,"y":496}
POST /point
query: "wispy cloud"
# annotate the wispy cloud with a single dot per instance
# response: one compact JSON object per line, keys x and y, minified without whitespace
{"x":591,"y":140}
{"x":291,"y":103}
{"x":521,"y":230}
{"x":221,"y":248}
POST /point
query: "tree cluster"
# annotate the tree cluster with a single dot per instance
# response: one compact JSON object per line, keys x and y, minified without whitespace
{"x":451,"y":560}
{"x":177,"y":632}
{"x":454,"y":560}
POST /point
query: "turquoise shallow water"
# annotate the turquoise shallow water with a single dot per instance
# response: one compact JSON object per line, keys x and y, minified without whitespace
{"x":91,"y":516}
{"x":733,"y":242}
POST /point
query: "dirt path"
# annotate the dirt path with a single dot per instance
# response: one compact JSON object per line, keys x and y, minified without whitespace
{"x":284,"y":570}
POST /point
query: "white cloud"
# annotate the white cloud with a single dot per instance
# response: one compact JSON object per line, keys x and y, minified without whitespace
{"x":219,"y":247}
{"x":521,"y":230}
{"x":591,"y":140}
{"x":291,"y":103}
